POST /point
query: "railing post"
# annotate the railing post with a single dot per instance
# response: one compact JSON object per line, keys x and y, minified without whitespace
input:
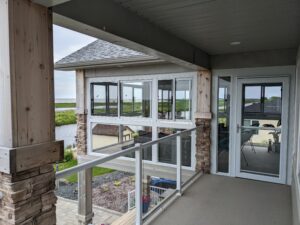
{"x":138,"y":187}
{"x":178,"y":156}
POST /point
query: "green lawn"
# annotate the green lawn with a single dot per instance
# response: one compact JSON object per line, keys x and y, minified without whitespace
{"x":97,"y":171}
{"x":65,"y":105}
{"x":65,"y":118}
{"x":128,"y":109}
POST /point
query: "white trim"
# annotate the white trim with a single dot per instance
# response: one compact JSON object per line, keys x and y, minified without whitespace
{"x":152,"y":121}
{"x":267,"y":72}
{"x":284,"y":129}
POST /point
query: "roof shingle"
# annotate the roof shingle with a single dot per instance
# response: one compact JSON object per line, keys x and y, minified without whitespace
{"x":99,"y":52}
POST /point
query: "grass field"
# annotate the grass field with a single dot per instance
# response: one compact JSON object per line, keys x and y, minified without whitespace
{"x":69,"y":162}
{"x":127,"y":108}
{"x":65,"y":118}
{"x":65,"y":105}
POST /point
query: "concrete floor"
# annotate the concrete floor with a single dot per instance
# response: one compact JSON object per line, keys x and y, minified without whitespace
{"x":219,"y":200}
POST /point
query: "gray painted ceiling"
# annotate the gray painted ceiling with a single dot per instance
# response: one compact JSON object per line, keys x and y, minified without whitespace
{"x":212,"y":24}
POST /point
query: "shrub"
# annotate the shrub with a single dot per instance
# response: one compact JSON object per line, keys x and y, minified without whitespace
{"x":68,"y":155}
{"x":65,"y":118}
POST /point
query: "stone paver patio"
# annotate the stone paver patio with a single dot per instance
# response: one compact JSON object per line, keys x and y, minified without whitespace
{"x":66,"y":211}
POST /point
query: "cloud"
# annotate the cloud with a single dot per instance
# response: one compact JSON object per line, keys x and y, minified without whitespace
{"x":66,"y":42}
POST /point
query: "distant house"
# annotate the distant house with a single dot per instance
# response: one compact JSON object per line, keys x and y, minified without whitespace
{"x":134,"y":98}
{"x":106,"y":135}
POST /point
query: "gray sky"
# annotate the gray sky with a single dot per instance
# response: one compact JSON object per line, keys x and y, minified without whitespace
{"x":66,"y":42}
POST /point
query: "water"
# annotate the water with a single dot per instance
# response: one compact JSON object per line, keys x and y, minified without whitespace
{"x":66,"y":133}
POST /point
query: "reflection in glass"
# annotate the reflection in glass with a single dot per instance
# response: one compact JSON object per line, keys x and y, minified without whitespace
{"x":109,"y":139}
{"x":183,"y":99}
{"x":264,"y":99}
{"x":104,"y":135}
{"x":260,"y":147}
{"x":136,"y":99}
{"x":167,"y":149}
{"x":104,"y":99}
{"x":165,"y":99}
{"x":140,"y":135}
{"x":223,"y":123}
{"x":252,"y":100}
{"x":272,"y":102}
{"x":261,"y":130}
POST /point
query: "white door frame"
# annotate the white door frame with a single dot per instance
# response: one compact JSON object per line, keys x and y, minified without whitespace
{"x":284,"y":139}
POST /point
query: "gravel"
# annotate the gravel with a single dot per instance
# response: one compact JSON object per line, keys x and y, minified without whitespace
{"x":109,"y":191}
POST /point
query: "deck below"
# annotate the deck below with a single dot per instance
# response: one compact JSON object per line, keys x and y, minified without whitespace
{"x":219,"y":200}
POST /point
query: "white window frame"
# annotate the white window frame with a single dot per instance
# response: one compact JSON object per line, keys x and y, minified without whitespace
{"x":267,"y":73}
{"x":152,"y":121}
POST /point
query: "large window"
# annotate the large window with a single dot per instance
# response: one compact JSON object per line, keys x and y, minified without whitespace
{"x":104,"y":99}
{"x":167,"y":149}
{"x":109,"y":139}
{"x":178,"y":108}
{"x":183,"y":99}
{"x":125,"y":111}
{"x":136,"y":99}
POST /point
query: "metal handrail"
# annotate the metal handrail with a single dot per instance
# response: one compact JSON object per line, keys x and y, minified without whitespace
{"x":95,"y":162}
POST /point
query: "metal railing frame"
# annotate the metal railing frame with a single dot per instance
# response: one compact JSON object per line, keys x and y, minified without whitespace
{"x":138,"y":148}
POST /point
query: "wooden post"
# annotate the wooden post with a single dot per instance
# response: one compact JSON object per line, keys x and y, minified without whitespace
{"x":85,"y":203}
{"x":27,"y":128}
{"x":203,"y":121}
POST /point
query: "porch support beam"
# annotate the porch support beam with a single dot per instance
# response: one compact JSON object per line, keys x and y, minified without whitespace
{"x":203,"y":121}
{"x":110,"y":21}
{"x":27,"y":128}
{"x":85,"y":203}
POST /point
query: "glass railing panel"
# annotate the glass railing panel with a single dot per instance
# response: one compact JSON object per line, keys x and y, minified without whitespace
{"x":188,"y":147}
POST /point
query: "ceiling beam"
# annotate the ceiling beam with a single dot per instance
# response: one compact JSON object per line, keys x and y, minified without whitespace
{"x":109,"y":21}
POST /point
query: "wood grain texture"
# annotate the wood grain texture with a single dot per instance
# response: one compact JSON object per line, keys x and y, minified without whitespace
{"x":32,"y":73}
{"x":5,"y":80}
{"x":20,"y":159}
{"x":204,"y":95}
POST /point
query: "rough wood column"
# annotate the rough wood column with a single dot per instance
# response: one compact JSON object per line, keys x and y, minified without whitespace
{"x":85,"y":207}
{"x":203,"y":121}
{"x":27,"y":130}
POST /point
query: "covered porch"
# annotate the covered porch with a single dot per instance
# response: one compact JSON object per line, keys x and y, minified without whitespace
{"x":245,"y":43}
{"x":220,"y":200}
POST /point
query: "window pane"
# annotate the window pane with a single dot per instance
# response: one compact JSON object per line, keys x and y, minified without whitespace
{"x":223,"y":123}
{"x":165,"y":99}
{"x":109,"y":139}
{"x":183,"y":99}
{"x":167,"y":149}
{"x":139,"y":134}
{"x":252,"y":100}
{"x":272,"y":101}
{"x":113,"y":99}
{"x":104,"y":135}
{"x":136,"y":99}
{"x":104,"y":99}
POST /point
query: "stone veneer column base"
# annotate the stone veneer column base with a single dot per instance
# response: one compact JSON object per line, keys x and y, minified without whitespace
{"x":81,"y":134}
{"x":28,"y":197}
{"x":203,"y":143}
